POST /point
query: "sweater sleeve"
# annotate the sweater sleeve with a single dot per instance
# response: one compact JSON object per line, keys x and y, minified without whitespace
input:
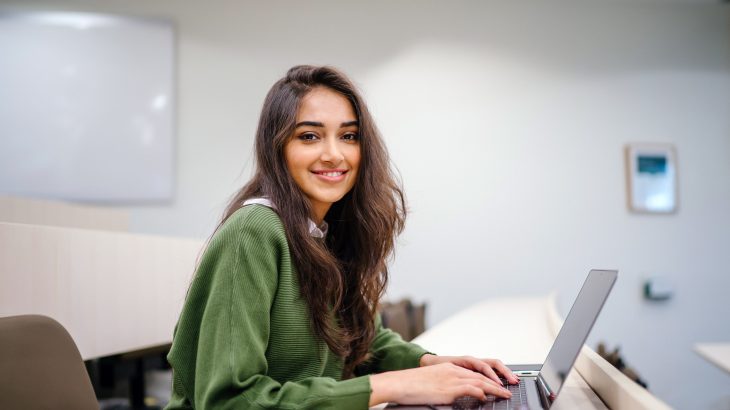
{"x":219,"y":352}
{"x":390,"y":352}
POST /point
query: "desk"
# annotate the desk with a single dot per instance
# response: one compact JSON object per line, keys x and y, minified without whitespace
{"x":514,"y":330}
{"x":521,"y":331}
{"x":715,"y":353}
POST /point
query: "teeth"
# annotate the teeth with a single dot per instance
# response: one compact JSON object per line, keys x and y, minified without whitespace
{"x":332,"y":174}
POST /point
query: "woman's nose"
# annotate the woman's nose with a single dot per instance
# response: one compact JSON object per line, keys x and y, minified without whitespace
{"x":331,"y":152}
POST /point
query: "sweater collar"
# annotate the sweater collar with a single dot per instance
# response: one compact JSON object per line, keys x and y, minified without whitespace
{"x":314,"y":230}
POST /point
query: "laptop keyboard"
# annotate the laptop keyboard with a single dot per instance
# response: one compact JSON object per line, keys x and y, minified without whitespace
{"x":518,"y":401}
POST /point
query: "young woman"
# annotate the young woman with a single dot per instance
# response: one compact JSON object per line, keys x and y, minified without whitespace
{"x":281,"y":313}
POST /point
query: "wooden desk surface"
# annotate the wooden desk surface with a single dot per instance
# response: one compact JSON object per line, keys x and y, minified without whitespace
{"x":516,"y":331}
{"x":521,"y":331}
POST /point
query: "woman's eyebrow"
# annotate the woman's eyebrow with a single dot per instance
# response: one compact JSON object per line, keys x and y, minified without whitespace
{"x":310,"y":123}
{"x":319,"y":124}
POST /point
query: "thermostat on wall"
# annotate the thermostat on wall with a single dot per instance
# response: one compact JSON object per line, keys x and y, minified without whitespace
{"x":652,"y":178}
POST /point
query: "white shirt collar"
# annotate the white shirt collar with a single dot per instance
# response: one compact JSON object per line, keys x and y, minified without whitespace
{"x":314,"y":230}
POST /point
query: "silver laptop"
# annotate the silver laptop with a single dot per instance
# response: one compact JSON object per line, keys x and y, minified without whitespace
{"x":540,"y":384}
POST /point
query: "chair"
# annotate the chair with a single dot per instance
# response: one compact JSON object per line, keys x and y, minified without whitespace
{"x":404,"y":318}
{"x":41,"y":367}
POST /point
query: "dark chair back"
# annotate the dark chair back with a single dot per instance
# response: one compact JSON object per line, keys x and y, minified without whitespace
{"x":404,"y":318}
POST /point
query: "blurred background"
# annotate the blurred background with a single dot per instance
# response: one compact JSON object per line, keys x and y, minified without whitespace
{"x":508,"y":123}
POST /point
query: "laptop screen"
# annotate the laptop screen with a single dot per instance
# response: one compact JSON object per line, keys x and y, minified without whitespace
{"x":576,"y":327}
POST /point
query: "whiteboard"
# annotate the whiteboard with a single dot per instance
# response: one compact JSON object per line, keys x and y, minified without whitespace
{"x":86,"y":107}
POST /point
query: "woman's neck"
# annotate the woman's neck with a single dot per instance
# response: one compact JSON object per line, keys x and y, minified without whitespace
{"x":319,"y":210}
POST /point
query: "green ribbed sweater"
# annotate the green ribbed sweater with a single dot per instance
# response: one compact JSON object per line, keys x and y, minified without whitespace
{"x":244,"y":340}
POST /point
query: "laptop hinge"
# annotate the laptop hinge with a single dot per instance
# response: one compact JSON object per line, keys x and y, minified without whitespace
{"x":546,"y":396}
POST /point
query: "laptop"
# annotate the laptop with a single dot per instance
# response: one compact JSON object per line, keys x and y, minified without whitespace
{"x":540,"y":384}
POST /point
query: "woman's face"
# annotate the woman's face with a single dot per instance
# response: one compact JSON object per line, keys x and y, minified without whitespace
{"x":323,"y":155}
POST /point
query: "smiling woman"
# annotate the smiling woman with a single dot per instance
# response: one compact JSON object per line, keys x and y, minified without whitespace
{"x":282,"y":310}
{"x":323,"y":155}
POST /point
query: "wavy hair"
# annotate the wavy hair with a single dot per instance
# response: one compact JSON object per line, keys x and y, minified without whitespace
{"x":346,"y":274}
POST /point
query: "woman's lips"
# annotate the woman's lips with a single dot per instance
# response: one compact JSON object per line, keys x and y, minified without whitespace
{"x":331,"y":175}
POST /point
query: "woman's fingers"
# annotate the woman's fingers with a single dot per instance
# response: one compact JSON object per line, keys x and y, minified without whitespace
{"x":504,"y":370}
{"x":490,"y":368}
{"x":482,"y":366}
{"x":489,"y":372}
{"x":441,"y":383}
{"x":483,"y":383}
{"x":491,"y":388}
{"x":473,"y":391}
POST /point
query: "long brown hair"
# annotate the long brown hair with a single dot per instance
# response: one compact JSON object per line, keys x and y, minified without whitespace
{"x":346,"y":274}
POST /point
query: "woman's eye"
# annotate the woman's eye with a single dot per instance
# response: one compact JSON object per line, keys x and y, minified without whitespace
{"x":308,"y":137}
{"x":351,"y":136}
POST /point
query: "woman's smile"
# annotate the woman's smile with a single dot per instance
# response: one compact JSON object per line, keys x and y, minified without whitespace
{"x":336,"y":175}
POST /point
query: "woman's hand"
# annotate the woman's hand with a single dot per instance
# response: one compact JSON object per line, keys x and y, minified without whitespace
{"x":488,"y":367}
{"x":435,"y":384}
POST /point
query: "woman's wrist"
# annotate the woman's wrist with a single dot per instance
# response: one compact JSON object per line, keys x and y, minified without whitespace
{"x":381,"y":388}
{"x":389,"y":386}
{"x":427,"y":360}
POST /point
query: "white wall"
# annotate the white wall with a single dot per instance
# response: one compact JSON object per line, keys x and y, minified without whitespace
{"x":507,"y":121}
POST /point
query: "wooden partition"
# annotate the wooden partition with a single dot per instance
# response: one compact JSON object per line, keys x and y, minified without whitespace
{"x":115,"y":292}
{"x":59,"y":213}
